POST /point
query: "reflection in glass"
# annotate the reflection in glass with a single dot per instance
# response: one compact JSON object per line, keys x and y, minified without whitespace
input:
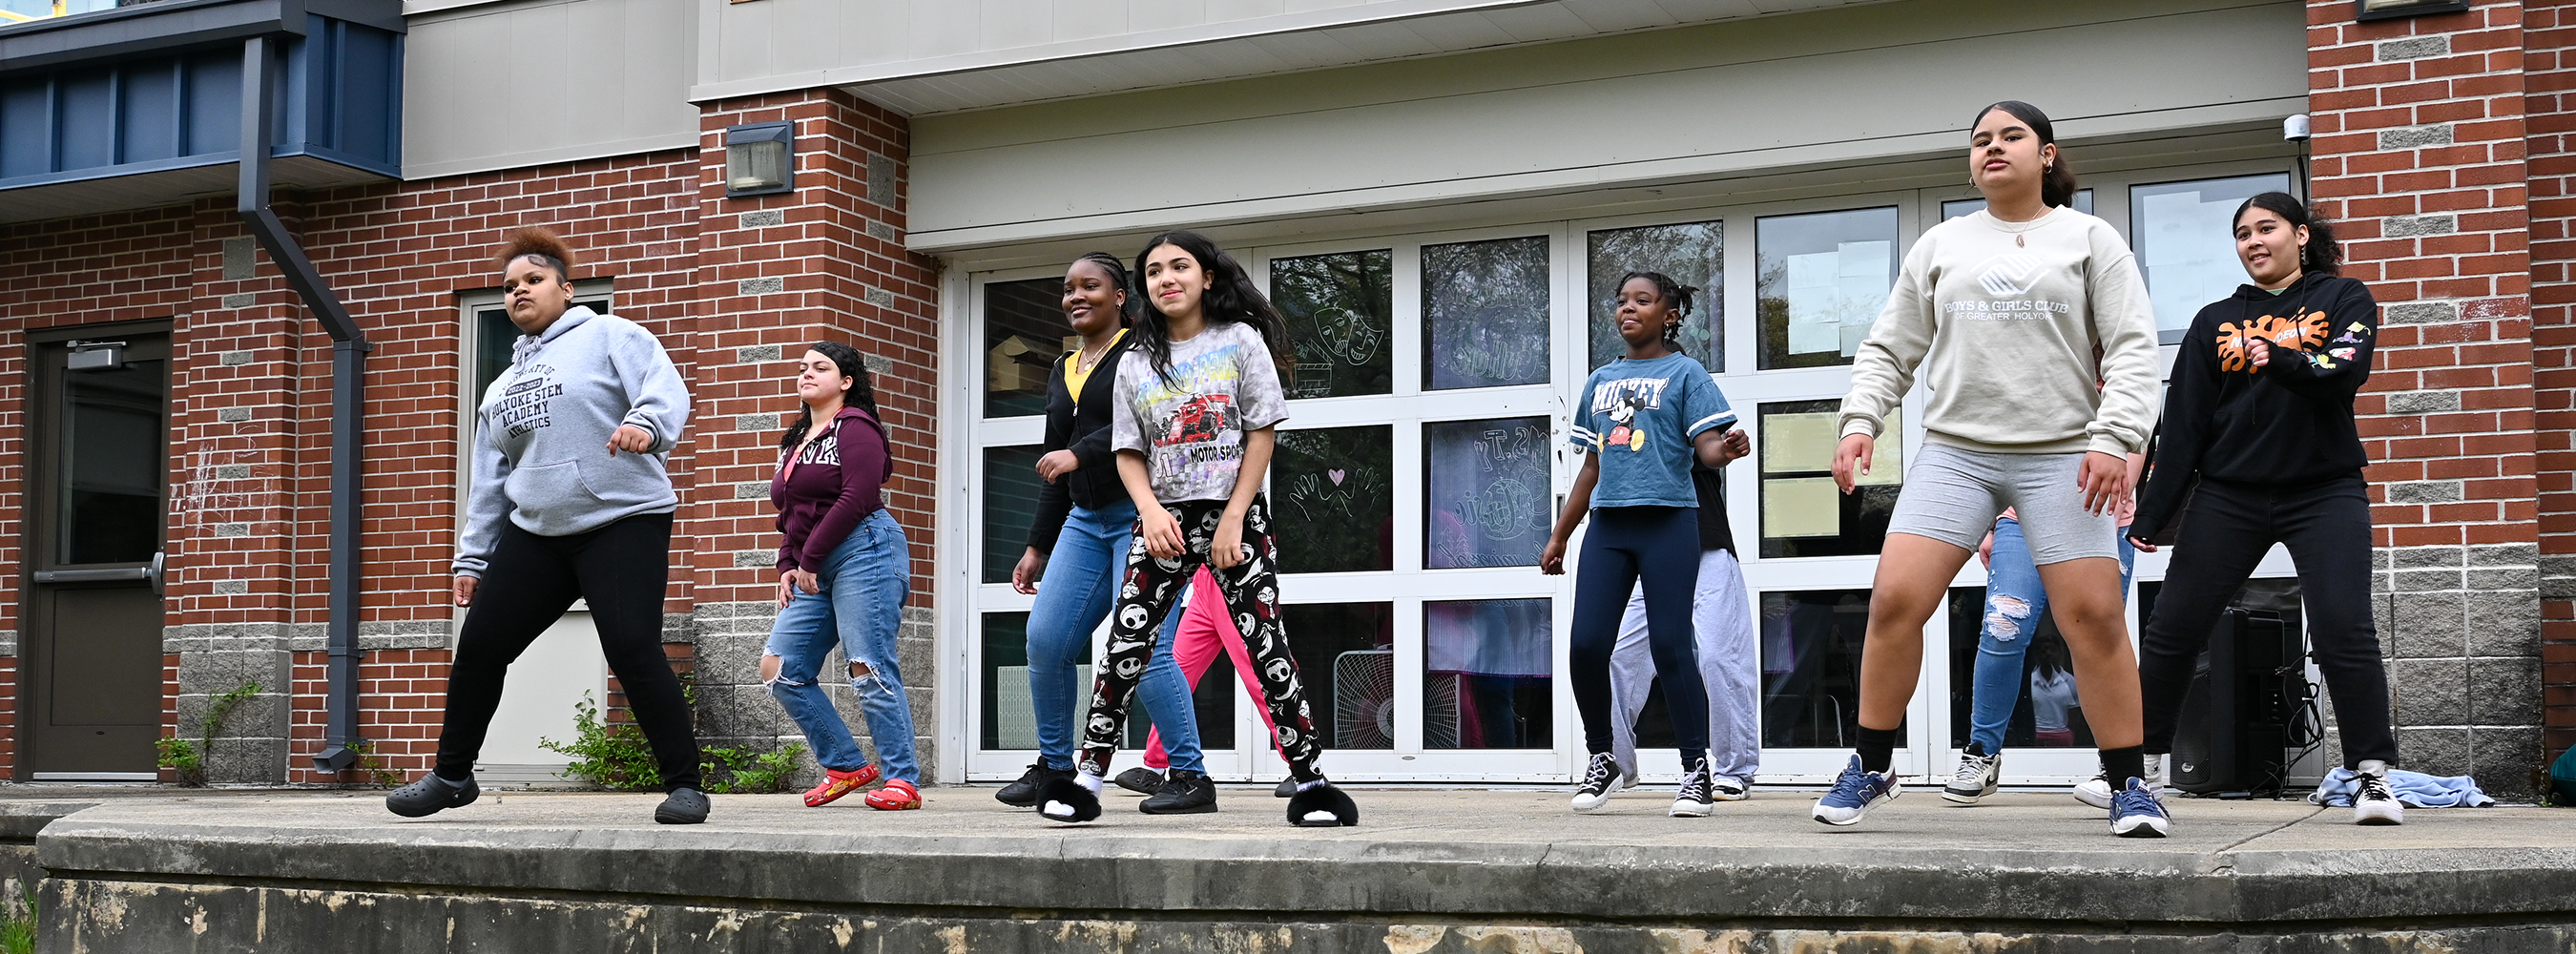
{"x":1024,"y":333}
{"x":1486,"y":492}
{"x":1811,"y":667}
{"x":1693,"y":253}
{"x":2049,"y":713}
{"x":1340,"y":310}
{"x":1330,"y":499}
{"x":1485,"y":314}
{"x":1803,"y":513}
{"x":2185,"y":236}
{"x":1822,"y":280}
{"x":1008,"y":717}
{"x":1958,"y":207}
{"x":1010,"y":504}
{"x":115,"y":449}
{"x":1487,"y":665}
{"x":1345,"y":657}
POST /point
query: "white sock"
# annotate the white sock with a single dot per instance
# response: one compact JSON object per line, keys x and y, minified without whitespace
{"x":1088,"y":781}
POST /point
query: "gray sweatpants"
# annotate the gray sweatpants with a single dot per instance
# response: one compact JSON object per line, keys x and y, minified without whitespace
{"x":1729,"y":663}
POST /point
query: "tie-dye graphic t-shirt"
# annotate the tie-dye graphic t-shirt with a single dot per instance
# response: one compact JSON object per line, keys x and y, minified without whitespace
{"x":1190,"y":427}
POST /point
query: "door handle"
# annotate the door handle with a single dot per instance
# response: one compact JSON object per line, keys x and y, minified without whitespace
{"x":154,"y":572}
{"x":99,"y":576}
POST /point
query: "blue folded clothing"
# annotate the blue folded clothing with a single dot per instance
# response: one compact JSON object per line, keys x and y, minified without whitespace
{"x":2413,"y":789}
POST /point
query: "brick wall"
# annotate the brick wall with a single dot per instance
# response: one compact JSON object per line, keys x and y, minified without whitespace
{"x":2549,"y":57}
{"x":2419,"y":159}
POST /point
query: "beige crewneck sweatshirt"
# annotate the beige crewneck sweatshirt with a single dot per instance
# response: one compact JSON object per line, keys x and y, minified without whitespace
{"x":2002,"y":319}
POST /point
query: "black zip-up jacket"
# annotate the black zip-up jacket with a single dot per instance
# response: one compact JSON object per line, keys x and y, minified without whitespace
{"x":1083,"y":429}
{"x":2287,"y":423}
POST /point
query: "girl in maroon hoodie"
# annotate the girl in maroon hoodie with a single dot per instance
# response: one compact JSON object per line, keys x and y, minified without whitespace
{"x":843,"y":573}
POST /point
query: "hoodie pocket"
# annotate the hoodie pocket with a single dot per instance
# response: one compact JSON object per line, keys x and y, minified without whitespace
{"x":626,"y":480}
{"x":549,"y":489}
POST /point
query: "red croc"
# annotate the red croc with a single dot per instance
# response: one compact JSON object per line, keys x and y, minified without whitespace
{"x":836,"y":784}
{"x":896,"y":796}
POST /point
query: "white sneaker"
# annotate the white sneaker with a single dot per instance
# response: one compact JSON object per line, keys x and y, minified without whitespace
{"x":1600,"y":778}
{"x":2372,"y":802}
{"x":2096,"y":791}
{"x":1728,"y":788}
{"x":1975,"y":778}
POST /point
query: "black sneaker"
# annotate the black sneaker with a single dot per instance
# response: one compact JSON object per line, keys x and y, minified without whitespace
{"x":1024,"y":793}
{"x":1697,"y":797}
{"x":1140,"y":780}
{"x":1600,"y":778}
{"x":431,"y":795}
{"x":1184,"y":793}
{"x":684,"y":806}
{"x":1287,"y":789}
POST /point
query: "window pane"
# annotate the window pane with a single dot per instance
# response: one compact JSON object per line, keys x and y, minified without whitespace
{"x":1330,"y":502}
{"x":1024,"y":332}
{"x":1485,"y":684}
{"x":1346,"y":659}
{"x":1487,"y":492}
{"x":1803,"y":513}
{"x":1811,"y":667}
{"x":2184,"y":235}
{"x":1010,"y":504}
{"x":1958,"y":207}
{"x":1009,"y":719}
{"x":2046,"y":712}
{"x":1340,"y":309}
{"x":1693,"y":254}
{"x":1824,"y":278}
{"x":1484,"y":308}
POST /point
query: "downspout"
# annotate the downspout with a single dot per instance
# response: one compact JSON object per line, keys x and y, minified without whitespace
{"x":349,"y":349}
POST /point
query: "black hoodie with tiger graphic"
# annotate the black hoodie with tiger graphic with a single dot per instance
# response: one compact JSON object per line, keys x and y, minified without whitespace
{"x":2287,"y":423}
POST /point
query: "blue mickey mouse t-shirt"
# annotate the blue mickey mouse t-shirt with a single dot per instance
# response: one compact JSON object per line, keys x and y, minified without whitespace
{"x":1640,"y":416}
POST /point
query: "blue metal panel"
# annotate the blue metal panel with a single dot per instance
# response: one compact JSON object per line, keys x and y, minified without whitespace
{"x":341,"y":101}
{"x":27,"y":129}
{"x":147,"y":115}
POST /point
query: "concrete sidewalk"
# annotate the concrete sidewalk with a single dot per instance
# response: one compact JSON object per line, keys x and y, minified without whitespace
{"x":1428,"y":870}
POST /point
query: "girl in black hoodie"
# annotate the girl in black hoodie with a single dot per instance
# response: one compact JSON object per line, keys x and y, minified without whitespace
{"x":2260,"y":412}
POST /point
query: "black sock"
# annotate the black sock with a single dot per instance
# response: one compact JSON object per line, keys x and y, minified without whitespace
{"x":1694,"y":762}
{"x":1877,"y":749}
{"x":1978,"y":749}
{"x":2121,"y":765}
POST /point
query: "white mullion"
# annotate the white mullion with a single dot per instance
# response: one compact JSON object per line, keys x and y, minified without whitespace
{"x":1405,"y":320}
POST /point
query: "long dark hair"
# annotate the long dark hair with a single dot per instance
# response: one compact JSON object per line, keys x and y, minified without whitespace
{"x":1231,"y":296}
{"x":1673,"y":293}
{"x":862,"y":394}
{"x":1118,"y":279}
{"x":2322,"y":255}
{"x":2057,"y":184}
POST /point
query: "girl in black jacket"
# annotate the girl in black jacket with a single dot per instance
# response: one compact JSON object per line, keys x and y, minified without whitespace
{"x":2260,"y":411}
{"x":1079,"y":543}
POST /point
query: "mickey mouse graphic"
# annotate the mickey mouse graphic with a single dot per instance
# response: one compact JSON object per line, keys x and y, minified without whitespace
{"x":1624,"y":416}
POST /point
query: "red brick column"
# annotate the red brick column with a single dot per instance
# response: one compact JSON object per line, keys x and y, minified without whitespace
{"x":2549,"y":57}
{"x":2419,"y":160}
{"x":824,"y":262}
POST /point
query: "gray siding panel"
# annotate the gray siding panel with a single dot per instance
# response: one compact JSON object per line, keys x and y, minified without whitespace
{"x":613,"y":74}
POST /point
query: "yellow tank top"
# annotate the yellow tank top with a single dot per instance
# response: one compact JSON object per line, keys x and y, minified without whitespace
{"x":1075,"y":375}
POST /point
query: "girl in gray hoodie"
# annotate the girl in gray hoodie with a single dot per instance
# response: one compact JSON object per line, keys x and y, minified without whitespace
{"x":570,"y":500}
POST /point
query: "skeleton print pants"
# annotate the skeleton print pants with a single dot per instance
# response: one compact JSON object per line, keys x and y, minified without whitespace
{"x":1251,"y":591}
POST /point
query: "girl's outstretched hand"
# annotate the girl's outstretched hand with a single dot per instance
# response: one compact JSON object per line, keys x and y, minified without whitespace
{"x":1851,"y":460}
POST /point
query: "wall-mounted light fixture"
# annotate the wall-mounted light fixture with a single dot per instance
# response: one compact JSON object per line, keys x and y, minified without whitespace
{"x":760,"y":159}
{"x":2367,"y":10}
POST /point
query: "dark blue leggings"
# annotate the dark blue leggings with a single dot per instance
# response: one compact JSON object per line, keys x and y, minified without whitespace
{"x":1659,"y":545}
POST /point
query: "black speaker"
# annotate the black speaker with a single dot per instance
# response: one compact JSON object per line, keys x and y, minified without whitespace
{"x":2239,"y":715}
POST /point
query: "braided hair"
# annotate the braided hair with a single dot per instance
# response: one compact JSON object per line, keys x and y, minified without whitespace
{"x":862,"y":393}
{"x":1673,"y":293}
{"x":1117,"y":271}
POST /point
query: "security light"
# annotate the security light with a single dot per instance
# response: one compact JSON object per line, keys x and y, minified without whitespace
{"x":2367,"y":10}
{"x":760,"y":159}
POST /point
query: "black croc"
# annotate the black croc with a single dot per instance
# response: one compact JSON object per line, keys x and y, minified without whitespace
{"x":431,"y":795}
{"x":1322,"y":798}
{"x":684,"y":806}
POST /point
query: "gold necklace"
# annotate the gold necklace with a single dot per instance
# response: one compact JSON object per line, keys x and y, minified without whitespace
{"x":1084,"y":361}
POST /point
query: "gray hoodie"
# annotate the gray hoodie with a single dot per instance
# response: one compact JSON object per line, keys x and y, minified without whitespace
{"x":541,"y":435}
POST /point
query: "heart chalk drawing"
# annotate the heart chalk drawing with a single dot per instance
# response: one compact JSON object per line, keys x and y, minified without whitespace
{"x":1336,"y":474}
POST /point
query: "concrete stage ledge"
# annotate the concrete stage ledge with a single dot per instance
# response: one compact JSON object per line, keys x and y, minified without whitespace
{"x":1430,"y":871}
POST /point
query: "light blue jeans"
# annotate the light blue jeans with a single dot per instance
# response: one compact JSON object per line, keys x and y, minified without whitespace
{"x":1080,"y":585}
{"x":864,"y":584}
{"x":2015,"y":603}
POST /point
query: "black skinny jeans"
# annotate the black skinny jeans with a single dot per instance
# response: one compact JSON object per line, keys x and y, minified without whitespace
{"x":623,"y":570}
{"x":2326,"y":526}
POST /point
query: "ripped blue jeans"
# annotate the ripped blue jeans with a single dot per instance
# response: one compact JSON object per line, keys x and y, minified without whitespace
{"x":2015,"y":603}
{"x":864,"y":582}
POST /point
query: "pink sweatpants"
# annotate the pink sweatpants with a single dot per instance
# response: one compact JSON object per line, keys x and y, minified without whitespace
{"x":1204,"y":629}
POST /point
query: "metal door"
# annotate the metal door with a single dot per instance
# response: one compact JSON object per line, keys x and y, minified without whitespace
{"x":98,"y":496}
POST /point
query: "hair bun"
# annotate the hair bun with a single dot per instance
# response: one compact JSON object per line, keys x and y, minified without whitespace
{"x":540,"y":241}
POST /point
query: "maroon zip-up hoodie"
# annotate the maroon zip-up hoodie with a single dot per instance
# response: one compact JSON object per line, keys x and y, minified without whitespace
{"x":839,"y":479}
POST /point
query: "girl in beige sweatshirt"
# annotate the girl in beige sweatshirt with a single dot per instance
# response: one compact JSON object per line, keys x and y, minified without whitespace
{"x":2001,"y":313}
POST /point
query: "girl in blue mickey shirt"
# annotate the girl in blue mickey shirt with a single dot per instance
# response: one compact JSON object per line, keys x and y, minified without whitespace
{"x":1642,"y":420}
